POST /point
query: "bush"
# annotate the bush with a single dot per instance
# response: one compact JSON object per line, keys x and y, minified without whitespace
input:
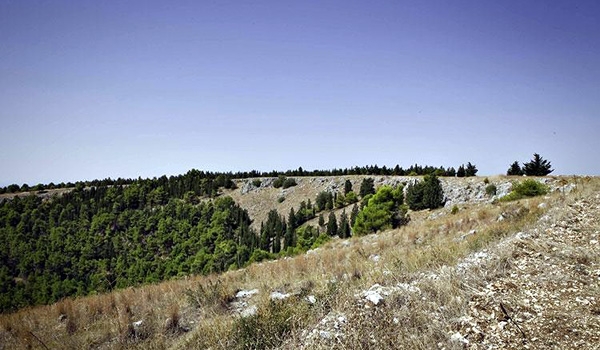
{"x":454,"y":210}
{"x":527,"y":188}
{"x":351,"y":197}
{"x":490,"y":190}
{"x":279,"y":181}
{"x":530,"y":188}
{"x":280,"y":199}
{"x":383,"y":210}
{"x":256,"y":182}
{"x":289,"y":182}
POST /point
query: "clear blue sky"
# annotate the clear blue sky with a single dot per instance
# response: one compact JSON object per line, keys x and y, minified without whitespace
{"x":96,"y":89}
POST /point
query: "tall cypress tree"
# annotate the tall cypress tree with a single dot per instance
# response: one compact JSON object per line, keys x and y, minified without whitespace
{"x":344,"y":226}
{"x":332,"y":226}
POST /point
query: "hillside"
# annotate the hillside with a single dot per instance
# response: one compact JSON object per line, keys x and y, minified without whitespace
{"x":499,"y":275}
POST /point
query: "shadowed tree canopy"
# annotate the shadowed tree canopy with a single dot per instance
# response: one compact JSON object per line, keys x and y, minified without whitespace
{"x":538,"y":166}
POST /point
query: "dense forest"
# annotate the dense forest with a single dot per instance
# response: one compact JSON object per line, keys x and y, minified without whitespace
{"x":97,"y":238}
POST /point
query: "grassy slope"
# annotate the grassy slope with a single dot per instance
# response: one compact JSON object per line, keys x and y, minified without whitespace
{"x":336,"y":275}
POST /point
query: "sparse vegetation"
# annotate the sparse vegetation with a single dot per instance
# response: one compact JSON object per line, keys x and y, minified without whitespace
{"x":335,"y":275}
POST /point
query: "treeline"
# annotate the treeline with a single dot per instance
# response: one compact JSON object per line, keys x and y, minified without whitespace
{"x":213,"y":180}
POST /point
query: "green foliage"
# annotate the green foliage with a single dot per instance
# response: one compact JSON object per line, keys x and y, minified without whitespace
{"x":383,"y":210}
{"x":324,"y":201}
{"x":332,"y":226}
{"x":100,"y":238}
{"x":259,"y":255}
{"x":490,"y":190}
{"x":340,"y":201}
{"x":538,"y":166}
{"x":367,"y":186}
{"x":351,"y":197}
{"x":454,"y":210}
{"x":289,"y":182}
{"x":527,"y":188}
{"x":256,"y":182}
{"x":470,"y":170}
{"x":344,"y":227}
{"x":427,"y":194}
{"x":321,"y":239}
{"x":461,"y":172}
{"x":347,"y":187}
{"x":280,"y":199}
{"x":515,"y":169}
{"x":486,"y":181}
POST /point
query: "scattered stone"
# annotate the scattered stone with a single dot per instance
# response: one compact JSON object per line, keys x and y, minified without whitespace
{"x":246,"y":293}
{"x":279,"y":296}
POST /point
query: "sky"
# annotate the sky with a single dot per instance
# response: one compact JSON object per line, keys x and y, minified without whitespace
{"x":97,"y":89}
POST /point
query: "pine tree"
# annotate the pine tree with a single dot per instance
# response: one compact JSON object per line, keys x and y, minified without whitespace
{"x":332,"y":226}
{"x":451,"y":172}
{"x":471,"y":170}
{"x":538,"y":166}
{"x":515,"y":169}
{"x":292,"y":220}
{"x":433,"y":194}
{"x":353,"y":214}
{"x":321,"y":220}
{"x":367,"y":186}
{"x":344,"y":226}
{"x":347,"y":187}
{"x":461,"y":171}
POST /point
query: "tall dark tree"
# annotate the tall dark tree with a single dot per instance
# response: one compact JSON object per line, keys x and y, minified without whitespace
{"x":515,"y":169}
{"x":451,"y":172}
{"x":367,"y":186}
{"x":344,"y":229}
{"x":461,"y":171}
{"x":347,"y":187}
{"x":538,"y":166}
{"x":332,"y":226}
{"x":427,"y":194}
{"x":353,"y":214}
{"x":471,"y":170}
{"x":321,"y":220}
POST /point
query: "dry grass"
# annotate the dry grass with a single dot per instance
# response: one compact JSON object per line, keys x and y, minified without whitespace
{"x":334,"y":274}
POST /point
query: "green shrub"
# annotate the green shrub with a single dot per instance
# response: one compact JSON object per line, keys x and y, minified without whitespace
{"x":351,"y":197}
{"x":383,"y":210}
{"x":280,"y":199}
{"x":289,"y":182}
{"x":256,"y":182}
{"x":454,"y":210}
{"x":490,"y":190}
{"x":279,"y":181}
{"x":527,"y":188}
{"x":486,"y":181}
{"x":259,"y":255}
